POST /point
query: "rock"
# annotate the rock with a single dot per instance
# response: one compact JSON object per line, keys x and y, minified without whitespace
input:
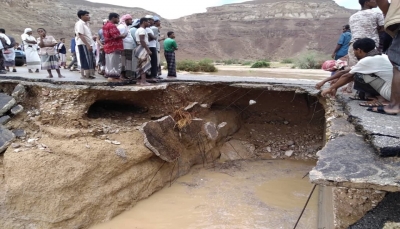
{"x":236,"y":150}
{"x":252,"y":102}
{"x":222,"y":125}
{"x":286,"y":122}
{"x":19,"y":93}
{"x":290,"y":143}
{"x":6,"y":102}
{"x":32,"y":140}
{"x":15,"y":145}
{"x":121,"y":153}
{"x":6,"y":137}
{"x":116,"y":143}
{"x":19,"y":133}
{"x":204,"y":105}
{"x":4,"y":119}
{"x":211,"y":130}
{"x":269,"y":149}
{"x":289,"y":153}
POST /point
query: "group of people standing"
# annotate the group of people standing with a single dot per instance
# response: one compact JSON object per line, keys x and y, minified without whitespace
{"x":376,"y":76}
{"x":125,"y":48}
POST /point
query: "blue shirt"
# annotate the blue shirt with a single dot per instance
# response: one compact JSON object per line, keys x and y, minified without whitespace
{"x":73,"y":44}
{"x":344,"y":40}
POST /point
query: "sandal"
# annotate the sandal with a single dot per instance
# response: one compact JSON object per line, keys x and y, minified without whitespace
{"x":37,"y":71}
{"x":372,"y":104}
{"x":380,"y":110}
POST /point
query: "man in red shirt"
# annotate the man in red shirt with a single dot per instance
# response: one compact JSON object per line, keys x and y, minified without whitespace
{"x":113,"y":47}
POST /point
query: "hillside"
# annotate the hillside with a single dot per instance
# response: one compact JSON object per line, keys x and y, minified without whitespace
{"x":256,"y":29}
{"x":262,"y":29}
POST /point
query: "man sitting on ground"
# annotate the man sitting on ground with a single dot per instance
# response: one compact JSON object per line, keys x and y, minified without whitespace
{"x":373,"y":74}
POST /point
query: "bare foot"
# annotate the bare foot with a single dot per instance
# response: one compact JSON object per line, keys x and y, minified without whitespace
{"x":50,"y":76}
{"x":30,"y":71}
{"x":61,"y":76}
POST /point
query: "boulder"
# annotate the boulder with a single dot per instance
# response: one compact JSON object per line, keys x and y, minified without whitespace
{"x":6,"y":137}
{"x":237,"y":150}
{"x":6,"y":102}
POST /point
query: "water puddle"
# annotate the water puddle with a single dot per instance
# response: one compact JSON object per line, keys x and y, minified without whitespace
{"x":233,"y":195}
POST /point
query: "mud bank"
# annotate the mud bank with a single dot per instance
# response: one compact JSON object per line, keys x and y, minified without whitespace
{"x":83,"y":159}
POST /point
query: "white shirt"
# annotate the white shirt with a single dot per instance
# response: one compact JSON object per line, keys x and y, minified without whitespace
{"x":379,"y":65}
{"x":142,"y":31}
{"x":2,"y":35}
{"x":153,"y":43}
{"x":82,"y":27}
{"x":128,"y":40}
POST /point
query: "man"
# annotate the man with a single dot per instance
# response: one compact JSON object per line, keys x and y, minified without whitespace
{"x":365,"y":24}
{"x":5,"y":42}
{"x":373,"y":73}
{"x":342,"y":47}
{"x":113,"y":47}
{"x":102,"y":54}
{"x":128,"y":43}
{"x":392,"y":26}
{"x":85,"y":45}
{"x":170,"y":47}
{"x":9,"y":53}
{"x":157,"y":33}
{"x":142,"y":51}
{"x":133,"y":28}
{"x":62,"y":53}
{"x":153,"y":47}
{"x":73,"y":64}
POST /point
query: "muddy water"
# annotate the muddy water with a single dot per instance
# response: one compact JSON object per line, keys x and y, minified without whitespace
{"x":233,"y":195}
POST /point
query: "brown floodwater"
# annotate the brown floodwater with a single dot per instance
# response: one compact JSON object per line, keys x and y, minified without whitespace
{"x":235,"y":195}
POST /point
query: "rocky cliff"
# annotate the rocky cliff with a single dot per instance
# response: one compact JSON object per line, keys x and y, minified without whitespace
{"x":262,"y":29}
{"x":250,"y":30}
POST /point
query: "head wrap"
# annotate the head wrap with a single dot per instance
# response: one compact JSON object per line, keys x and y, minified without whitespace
{"x":148,"y":17}
{"x":156,"y":18}
{"x":27,"y":30}
{"x":136,"y":22}
{"x":123,"y":19}
{"x":105,"y":21}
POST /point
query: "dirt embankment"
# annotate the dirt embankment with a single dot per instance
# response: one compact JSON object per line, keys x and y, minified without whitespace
{"x":83,"y":159}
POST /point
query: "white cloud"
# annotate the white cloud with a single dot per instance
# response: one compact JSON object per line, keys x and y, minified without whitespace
{"x":171,"y":9}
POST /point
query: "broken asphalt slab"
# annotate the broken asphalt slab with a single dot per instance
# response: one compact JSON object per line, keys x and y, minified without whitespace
{"x":6,"y":137}
{"x":6,"y":103}
{"x":383,"y":131}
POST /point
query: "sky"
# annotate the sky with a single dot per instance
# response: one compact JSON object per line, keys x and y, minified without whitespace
{"x":172,"y":9}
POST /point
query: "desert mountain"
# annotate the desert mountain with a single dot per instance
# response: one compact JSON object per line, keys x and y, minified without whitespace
{"x":262,"y":29}
{"x":249,"y":30}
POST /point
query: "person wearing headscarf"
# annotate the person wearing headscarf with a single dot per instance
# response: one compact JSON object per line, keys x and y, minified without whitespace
{"x":113,"y":47}
{"x":31,"y":50}
{"x":127,"y":54}
{"x":48,"y":53}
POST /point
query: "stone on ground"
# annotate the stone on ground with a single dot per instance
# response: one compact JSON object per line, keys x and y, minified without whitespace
{"x":6,"y":102}
{"x":19,"y":133}
{"x":4,"y":119}
{"x":6,"y":137}
{"x":19,"y":93}
{"x":17,"y":109}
